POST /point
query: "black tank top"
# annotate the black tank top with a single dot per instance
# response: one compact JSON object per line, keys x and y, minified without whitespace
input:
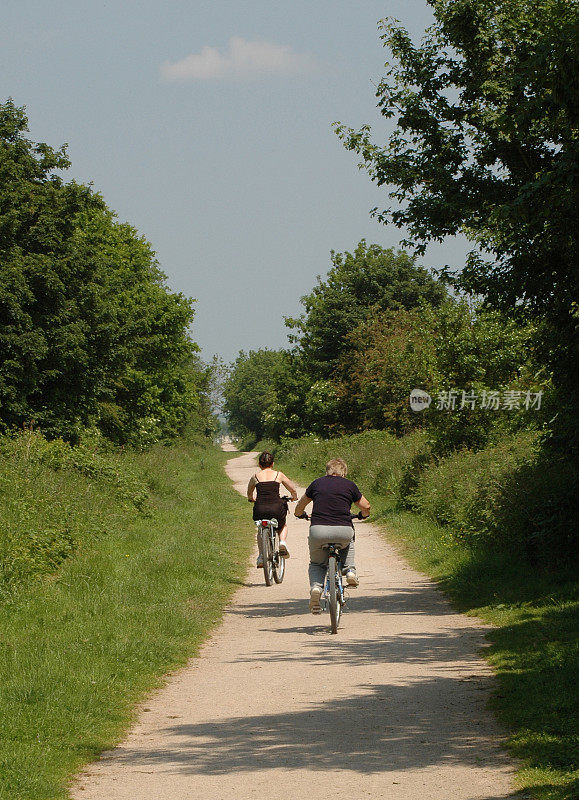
{"x":267,"y":492}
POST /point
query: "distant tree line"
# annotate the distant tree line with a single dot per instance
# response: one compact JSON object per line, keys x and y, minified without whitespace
{"x":376,"y":328}
{"x":89,"y":333}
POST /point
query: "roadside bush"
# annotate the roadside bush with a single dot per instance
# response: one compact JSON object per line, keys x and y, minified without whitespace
{"x":54,"y":497}
{"x":458,"y":490}
{"x":376,"y":459}
{"x":513,"y":495}
{"x":247,"y":443}
{"x":509,"y":495}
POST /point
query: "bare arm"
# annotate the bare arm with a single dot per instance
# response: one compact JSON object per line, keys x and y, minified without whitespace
{"x":301,"y":506}
{"x":289,"y":485}
{"x":251,"y":489}
{"x":364,"y":506}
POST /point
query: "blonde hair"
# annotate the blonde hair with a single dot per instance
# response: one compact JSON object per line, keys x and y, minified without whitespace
{"x":337,"y":466}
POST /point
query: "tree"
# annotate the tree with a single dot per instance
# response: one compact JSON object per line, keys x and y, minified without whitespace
{"x":449,"y":349}
{"x":359,"y":286}
{"x":250,"y":390}
{"x":486,"y":144}
{"x":387,"y":359}
{"x":89,"y":333}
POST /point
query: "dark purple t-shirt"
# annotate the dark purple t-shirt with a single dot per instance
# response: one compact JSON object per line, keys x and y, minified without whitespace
{"x":332,"y":498}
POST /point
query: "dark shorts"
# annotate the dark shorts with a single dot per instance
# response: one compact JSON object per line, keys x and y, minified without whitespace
{"x":278,"y":511}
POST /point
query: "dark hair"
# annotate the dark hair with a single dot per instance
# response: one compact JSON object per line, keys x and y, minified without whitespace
{"x":265,"y":459}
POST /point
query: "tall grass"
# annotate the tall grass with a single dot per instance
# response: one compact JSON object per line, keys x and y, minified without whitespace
{"x":85,"y":637}
{"x":511,"y":494}
{"x":55,"y":499}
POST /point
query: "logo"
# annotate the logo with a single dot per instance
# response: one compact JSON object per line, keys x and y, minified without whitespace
{"x":419,"y":400}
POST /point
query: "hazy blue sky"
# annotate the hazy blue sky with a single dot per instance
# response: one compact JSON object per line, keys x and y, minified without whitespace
{"x":207,"y":126}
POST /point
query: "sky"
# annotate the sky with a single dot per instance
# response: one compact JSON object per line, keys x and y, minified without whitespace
{"x":208,"y":127}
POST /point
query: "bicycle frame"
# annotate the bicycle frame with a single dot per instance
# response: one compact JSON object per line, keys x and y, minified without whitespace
{"x":333,"y":597}
{"x":334,"y":553}
{"x":273,"y":563}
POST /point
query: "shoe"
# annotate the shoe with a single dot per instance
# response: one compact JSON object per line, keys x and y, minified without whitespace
{"x":352,"y":578}
{"x":259,"y":564}
{"x":283,"y":551}
{"x":315,"y":595}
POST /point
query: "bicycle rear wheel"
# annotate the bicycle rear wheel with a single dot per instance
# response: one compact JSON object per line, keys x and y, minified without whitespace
{"x":278,"y":562}
{"x":334,"y":599}
{"x":267,"y":556}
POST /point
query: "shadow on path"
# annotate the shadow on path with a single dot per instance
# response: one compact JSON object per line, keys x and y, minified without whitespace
{"x":399,"y":648}
{"x":419,"y":599}
{"x":389,"y":728}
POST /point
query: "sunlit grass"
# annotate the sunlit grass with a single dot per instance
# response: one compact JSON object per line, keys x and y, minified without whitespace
{"x":79,"y":649}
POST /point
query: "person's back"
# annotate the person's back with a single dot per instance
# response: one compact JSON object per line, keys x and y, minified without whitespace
{"x":331,"y":522}
{"x":267,"y":487}
{"x":333,"y":496}
{"x":263,"y":490}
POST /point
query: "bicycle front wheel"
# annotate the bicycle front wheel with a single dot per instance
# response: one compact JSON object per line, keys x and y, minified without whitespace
{"x":334,"y":599}
{"x":267,"y":556}
{"x":278,"y":563}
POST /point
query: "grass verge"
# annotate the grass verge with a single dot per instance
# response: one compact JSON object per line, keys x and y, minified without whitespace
{"x":533,"y":645}
{"x":80,"y":648}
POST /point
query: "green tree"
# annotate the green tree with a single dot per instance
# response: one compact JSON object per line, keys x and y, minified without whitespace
{"x":89,"y":333}
{"x":452,"y":348}
{"x":250,"y":391}
{"x":387,"y":359}
{"x":290,"y":412}
{"x":486,"y":144}
{"x":358,"y":286}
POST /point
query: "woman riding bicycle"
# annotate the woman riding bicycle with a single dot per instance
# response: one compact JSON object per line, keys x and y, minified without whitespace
{"x":331,"y":522}
{"x":263,"y":491}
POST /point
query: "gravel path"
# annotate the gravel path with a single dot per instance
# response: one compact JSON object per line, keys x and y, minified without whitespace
{"x":393,"y":706}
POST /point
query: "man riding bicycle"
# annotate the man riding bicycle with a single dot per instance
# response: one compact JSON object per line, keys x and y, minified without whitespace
{"x":332,"y":496}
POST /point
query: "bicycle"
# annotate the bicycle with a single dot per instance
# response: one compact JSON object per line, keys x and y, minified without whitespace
{"x":268,"y":541}
{"x":333,"y":596}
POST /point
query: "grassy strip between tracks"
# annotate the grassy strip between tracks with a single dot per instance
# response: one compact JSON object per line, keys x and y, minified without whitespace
{"x":533,"y":642}
{"x":79,"y":649}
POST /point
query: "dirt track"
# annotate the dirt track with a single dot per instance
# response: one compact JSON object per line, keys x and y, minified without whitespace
{"x":391,"y":707}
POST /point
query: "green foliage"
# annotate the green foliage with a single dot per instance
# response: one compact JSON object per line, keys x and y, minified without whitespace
{"x":265,"y":395}
{"x":486,"y":144}
{"x":370,"y":369}
{"x":287,"y":394}
{"x":250,"y":443}
{"x":376,"y":459}
{"x":387,"y":359}
{"x":56,"y":499}
{"x":507,"y":496}
{"x":89,"y":332}
{"x":249,"y":390}
{"x":454,"y":347}
{"x":358,"y":287}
